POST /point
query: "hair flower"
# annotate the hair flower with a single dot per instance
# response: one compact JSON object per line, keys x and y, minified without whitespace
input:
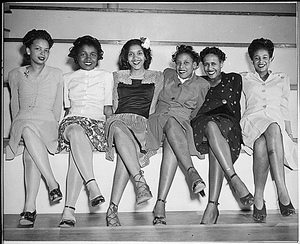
{"x":145,"y":42}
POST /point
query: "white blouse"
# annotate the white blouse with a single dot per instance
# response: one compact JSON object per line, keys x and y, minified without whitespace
{"x":87,"y":92}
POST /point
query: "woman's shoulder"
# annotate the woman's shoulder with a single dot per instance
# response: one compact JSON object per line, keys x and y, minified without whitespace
{"x":54,"y":69}
{"x":17,"y":70}
{"x":202,"y":81}
{"x":232,"y":75}
{"x":282,"y":75}
{"x":169,"y":72}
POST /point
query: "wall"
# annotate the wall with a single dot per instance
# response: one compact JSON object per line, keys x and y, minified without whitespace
{"x":231,"y":31}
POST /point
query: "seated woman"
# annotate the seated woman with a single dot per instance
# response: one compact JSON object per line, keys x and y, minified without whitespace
{"x":88,"y":102}
{"x":180,"y":99}
{"x":217,"y":130}
{"x":135,"y":94}
{"x":266,"y":127}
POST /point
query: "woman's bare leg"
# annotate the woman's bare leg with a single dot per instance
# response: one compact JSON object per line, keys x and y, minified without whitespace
{"x":261,"y":169}
{"x":216,"y":176}
{"x":38,"y":152}
{"x":276,"y":158}
{"x":32,"y":182}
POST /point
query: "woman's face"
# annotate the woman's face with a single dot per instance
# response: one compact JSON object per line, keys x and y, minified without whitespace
{"x":39,"y":51}
{"x":185,"y":65}
{"x":136,"y":57}
{"x":87,"y":57}
{"x":261,"y":61}
{"x":212,"y":66}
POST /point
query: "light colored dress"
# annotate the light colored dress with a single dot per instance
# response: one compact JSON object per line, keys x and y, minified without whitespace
{"x":35,"y":103}
{"x":180,"y":101}
{"x":134,"y":100}
{"x":267,"y":102}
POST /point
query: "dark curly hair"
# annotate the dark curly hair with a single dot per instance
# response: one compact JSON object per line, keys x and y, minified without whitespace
{"x":33,"y":35}
{"x":212,"y":50}
{"x":186,"y":49}
{"x":261,"y":43}
{"x":85,"y":40}
{"x":123,"y":57}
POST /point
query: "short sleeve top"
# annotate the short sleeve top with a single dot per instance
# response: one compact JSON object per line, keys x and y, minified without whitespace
{"x":87,"y":92}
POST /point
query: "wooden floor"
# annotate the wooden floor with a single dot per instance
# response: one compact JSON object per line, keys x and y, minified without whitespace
{"x":232,"y":226}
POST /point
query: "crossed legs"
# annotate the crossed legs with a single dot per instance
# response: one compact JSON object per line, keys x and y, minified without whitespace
{"x":36,"y":152}
{"x":80,"y":170}
{"x":220,"y":164}
{"x":269,"y":155}
{"x":175,"y":149}
{"x":127,"y":164}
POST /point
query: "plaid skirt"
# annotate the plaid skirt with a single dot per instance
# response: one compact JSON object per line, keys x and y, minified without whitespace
{"x":94,"y":130}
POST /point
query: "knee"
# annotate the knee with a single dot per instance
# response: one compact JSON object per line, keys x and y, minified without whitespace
{"x":73,"y":131}
{"x":171,"y":124}
{"x":273,"y":133}
{"x":211,"y":129}
{"x":27,"y":132}
{"x":260,"y":143}
{"x":273,"y":129}
{"x":118,"y":132}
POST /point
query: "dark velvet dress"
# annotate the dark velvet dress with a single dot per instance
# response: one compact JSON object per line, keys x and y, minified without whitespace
{"x":222,"y":106}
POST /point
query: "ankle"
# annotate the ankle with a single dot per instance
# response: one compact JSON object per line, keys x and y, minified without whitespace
{"x":159,"y":209}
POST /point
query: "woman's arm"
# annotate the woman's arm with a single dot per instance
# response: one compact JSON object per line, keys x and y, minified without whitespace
{"x":108,"y":111}
{"x":159,"y":83}
{"x":14,"y":102}
{"x":58,"y":103}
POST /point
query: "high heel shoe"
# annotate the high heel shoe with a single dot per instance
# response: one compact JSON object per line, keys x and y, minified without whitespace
{"x":160,"y":220}
{"x":98,"y":200}
{"x":67,"y":222}
{"x":142,"y":189}
{"x":286,"y":210}
{"x":216,"y":204}
{"x":55,"y":195}
{"x":112,"y":219}
{"x":247,"y":200}
{"x":260,"y":215}
{"x":198,"y":184}
{"x":27,"y":219}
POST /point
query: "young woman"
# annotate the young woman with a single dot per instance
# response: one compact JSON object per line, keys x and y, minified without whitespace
{"x":180,"y":99}
{"x":36,"y":105}
{"x":88,"y":100}
{"x":135,"y":94}
{"x":267,"y":128}
{"x":217,"y":130}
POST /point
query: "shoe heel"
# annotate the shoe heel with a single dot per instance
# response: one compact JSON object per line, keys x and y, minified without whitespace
{"x":112,"y":219}
{"x":260,"y":215}
{"x":27,"y":219}
{"x":286,"y":210}
{"x":247,"y":200}
{"x":55,"y":195}
{"x":160,"y":220}
{"x":98,"y":200}
{"x":198,"y":184}
{"x":142,"y":189}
